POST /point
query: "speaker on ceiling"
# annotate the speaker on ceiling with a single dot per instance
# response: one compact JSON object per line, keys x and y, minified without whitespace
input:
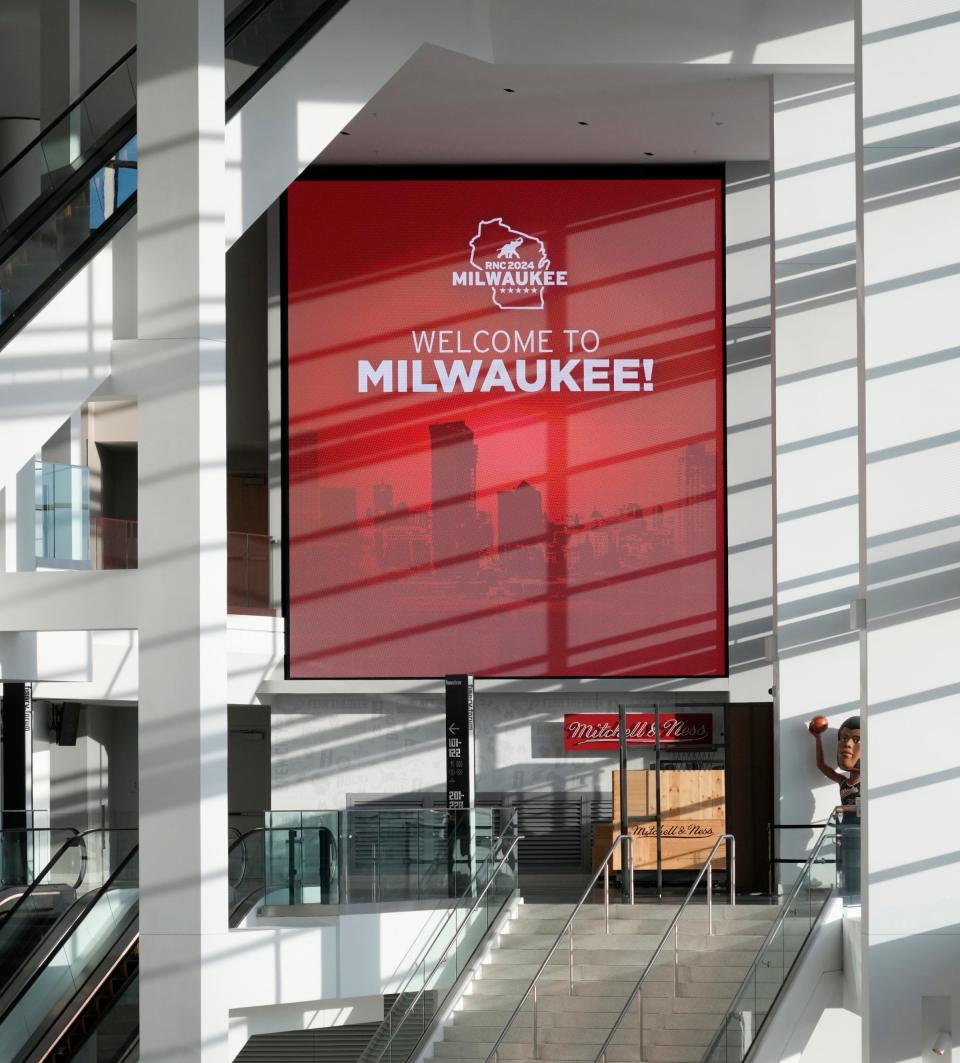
{"x":67,"y":723}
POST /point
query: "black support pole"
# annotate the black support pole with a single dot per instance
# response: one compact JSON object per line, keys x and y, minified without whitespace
{"x":626,"y":867}
{"x":656,"y":740}
{"x":14,"y":717}
{"x":461,"y":780}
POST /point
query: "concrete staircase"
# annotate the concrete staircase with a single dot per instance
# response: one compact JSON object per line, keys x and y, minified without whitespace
{"x":678,"y":1026}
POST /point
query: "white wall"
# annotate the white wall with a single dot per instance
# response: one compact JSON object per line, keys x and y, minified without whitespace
{"x":102,"y":665}
{"x":327,"y":746}
{"x":323,"y":972}
{"x":816,"y":430}
{"x":909,"y":229}
{"x":749,"y":454}
{"x":93,"y":783}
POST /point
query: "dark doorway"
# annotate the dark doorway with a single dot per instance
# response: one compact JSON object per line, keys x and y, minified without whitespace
{"x":749,"y":788}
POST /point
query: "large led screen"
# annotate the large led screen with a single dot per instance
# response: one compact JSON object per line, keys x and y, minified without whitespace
{"x":504,"y":423}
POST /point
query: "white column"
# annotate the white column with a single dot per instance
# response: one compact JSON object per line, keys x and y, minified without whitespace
{"x":909,"y":226}
{"x":178,"y":366}
{"x":815,"y":433}
{"x":19,"y":542}
{"x":749,"y":452}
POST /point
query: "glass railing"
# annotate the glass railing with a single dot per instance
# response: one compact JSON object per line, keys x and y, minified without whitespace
{"x":62,"y":513}
{"x":447,"y":954}
{"x":63,"y":972}
{"x":64,"y":194}
{"x":61,"y":231}
{"x":360,"y":856}
{"x":819,"y":880}
{"x":25,"y":851}
{"x":357,"y":856}
{"x":69,"y":143}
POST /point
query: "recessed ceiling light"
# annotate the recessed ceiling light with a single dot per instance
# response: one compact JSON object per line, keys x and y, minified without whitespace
{"x":649,"y":153}
{"x":509,"y":90}
{"x":344,"y":133}
{"x":583,"y":123}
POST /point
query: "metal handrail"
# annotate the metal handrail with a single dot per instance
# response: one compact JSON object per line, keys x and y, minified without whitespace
{"x":494,"y":1054}
{"x":673,"y":928}
{"x":777,"y":923}
{"x":66,"y":112}
{"x":517,"y":838}
{"x":497,"y":841}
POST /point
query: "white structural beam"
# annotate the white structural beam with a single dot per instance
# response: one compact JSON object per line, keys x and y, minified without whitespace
{"x":295,"y":116}
{"x":48,"y":370}
{"x":177,"y":370}
{"x":749,"y":453}
{"x":813,"y":127}
{"x":68,"y":601}
{"x":909,"y":227}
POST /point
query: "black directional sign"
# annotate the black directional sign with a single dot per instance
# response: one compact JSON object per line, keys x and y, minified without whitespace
{"x":458,"y":734}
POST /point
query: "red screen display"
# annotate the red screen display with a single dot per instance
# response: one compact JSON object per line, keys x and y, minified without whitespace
{"x":505,"y":428}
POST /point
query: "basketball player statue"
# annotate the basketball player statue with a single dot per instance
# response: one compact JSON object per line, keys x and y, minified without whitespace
{"x":848,"y":779}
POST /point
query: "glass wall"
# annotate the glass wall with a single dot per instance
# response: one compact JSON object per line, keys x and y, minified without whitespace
{"x":62,"y":520}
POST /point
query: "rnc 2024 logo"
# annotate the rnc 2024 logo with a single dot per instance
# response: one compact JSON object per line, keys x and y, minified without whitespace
{"x":512,"y":264}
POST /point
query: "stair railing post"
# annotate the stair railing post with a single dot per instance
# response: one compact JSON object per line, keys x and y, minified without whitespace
{"x":291,"y":867}
{"x":732,"y":844}
{"x":571,"y":959}
{"x":710,"y":899}
{"x":643,"y":1054}
{"x":606,"y":895}
{"x":630,"y":839}
{"x":676,"y":958}
{"x":536,"y":1037}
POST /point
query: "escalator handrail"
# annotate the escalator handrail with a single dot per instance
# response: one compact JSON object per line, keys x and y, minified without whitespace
{"x":78,"y":838}
{"x":27,"y":224}
{"x":234,"y":26}
{"x":243,"y":17}
{"x":61,"y":942}
{"x":287,"y":48}
{"x":33,"y":830}
{"x":65,"y":113}
{"x":100,"y":974}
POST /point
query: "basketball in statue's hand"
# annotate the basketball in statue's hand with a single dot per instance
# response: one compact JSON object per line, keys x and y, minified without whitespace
{"x":818,"y":725}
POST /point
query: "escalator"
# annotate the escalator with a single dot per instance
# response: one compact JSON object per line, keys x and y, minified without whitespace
{"x":79,"y":994}
{"x":66,"y":193}
{"x":44,"y":911}
{"x":81,"y":985}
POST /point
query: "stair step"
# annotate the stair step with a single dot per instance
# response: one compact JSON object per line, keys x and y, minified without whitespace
{"x":571,"y":1053}
{"x":679,"y":1020}
{"x":670,"y":1012}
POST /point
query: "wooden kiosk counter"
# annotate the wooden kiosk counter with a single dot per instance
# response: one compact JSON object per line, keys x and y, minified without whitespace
{"x":693,"y":814}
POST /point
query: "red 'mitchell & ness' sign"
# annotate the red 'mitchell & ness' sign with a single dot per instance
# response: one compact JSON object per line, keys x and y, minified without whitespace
{"x":601,"y":730}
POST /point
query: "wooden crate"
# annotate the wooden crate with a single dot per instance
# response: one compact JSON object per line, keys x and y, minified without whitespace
{"x":694,"y":816}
